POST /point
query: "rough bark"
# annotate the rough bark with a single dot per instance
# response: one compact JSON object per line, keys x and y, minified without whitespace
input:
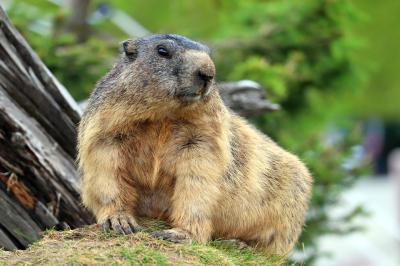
{"x":246,"y":97}
{"x":38,"y":178}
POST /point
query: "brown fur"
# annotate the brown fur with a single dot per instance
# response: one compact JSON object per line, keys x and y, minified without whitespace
{"x":195,"y":165}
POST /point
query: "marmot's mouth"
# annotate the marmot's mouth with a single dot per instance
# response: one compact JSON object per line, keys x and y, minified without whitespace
{"x":191,"y":94}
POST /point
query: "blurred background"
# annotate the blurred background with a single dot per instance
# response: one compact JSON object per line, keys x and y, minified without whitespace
{"x":332,"y":66}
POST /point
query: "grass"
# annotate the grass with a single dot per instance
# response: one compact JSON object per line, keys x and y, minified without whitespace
{"x":91,"y":246}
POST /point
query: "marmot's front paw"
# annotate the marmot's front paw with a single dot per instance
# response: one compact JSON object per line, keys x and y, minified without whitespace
{"x":121,"y":223}
{"x":173,"y":235}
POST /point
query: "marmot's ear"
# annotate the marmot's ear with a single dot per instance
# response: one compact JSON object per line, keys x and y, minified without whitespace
{"x":129,"y":47}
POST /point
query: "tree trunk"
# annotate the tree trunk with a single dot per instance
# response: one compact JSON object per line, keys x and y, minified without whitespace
{"x":77,"y":21}
{"x":38,"y":179}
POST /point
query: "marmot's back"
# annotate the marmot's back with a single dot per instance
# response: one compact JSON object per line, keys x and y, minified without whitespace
{"x":265,"y":184}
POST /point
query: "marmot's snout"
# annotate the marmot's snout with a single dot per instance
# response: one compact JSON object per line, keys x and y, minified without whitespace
{"x":200,"y":72}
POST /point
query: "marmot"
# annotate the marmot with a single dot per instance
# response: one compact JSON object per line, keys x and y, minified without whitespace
{"x":157,"y":141}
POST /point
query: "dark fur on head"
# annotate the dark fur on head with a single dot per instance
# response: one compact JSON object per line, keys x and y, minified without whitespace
{"x":157,"y":74}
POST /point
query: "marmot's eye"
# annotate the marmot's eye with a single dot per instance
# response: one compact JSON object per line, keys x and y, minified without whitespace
{"x":161,"y":50}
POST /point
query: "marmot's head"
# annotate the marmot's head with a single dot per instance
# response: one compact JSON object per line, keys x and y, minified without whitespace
{"x":169,"y":66}
{"x":157,"y":76}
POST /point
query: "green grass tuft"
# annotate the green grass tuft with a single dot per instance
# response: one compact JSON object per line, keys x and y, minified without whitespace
{"x":142,"y":255}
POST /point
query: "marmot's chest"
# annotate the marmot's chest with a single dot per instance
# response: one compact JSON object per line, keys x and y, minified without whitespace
{"x":152,"y":151}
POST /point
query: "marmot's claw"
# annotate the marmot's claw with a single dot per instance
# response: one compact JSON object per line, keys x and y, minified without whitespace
{"x":106,"y":225}
{"x":173,"y":235}
{"x":121,"y":223}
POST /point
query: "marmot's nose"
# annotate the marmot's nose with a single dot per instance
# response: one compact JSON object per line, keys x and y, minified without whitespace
{"x":205,"y":73}
{"x":205,"y":77}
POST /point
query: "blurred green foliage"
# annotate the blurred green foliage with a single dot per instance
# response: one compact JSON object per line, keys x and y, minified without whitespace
{"x":380,"y":57}
{"x":304,"y":53}
{"x":299,"y":48}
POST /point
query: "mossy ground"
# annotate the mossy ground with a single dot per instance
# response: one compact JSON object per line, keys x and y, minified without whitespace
{"x":91,"y":246}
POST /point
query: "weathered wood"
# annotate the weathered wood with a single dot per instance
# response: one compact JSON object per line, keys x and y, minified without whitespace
{"x":16,"y":222}
{"x":6,"y":242}
{"x":29,"y":83}
{"x":246,"y":97}
{"x":39,"y":186}
{"x":36,"y":172}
